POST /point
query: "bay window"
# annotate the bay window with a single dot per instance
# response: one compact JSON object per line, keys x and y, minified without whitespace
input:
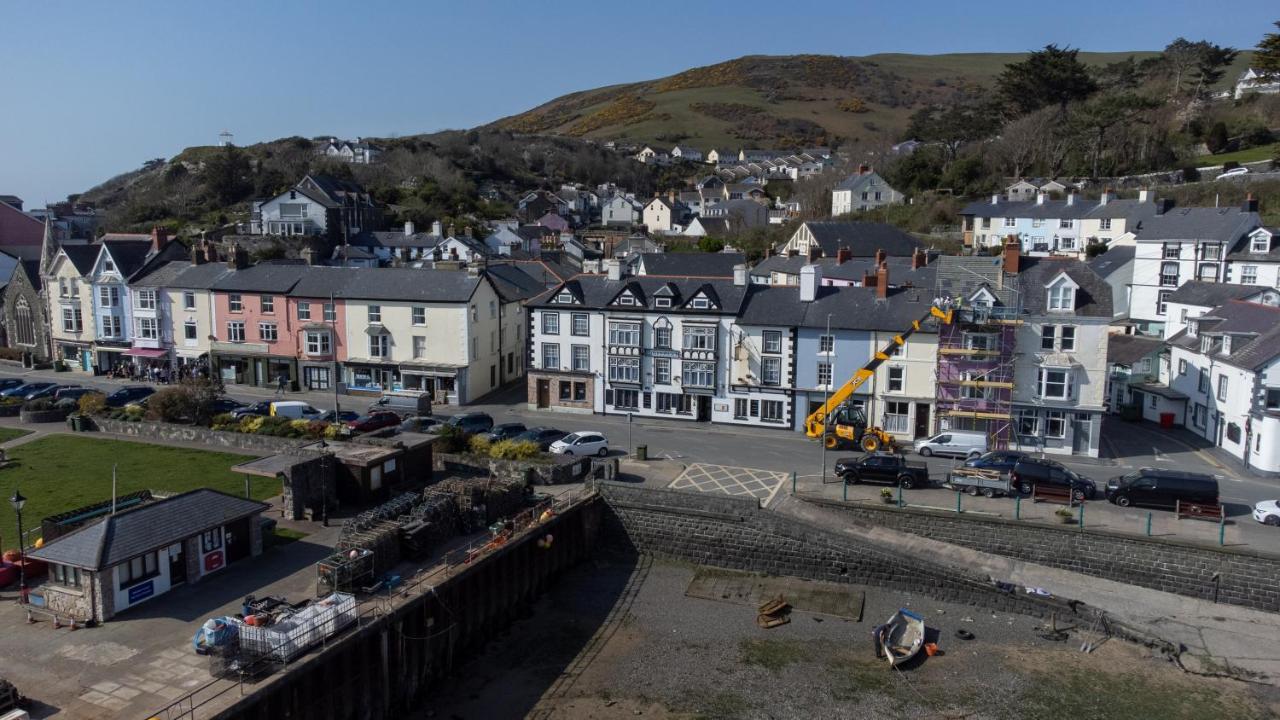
{"x":700,"y":374}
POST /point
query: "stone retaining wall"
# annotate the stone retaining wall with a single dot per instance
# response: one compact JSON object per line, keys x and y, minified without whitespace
{"x":558,"y":470}
{"x":734,"y":533}
{"x":192,"y":433}
{"x":1226,"y":575}
{"x":43,"y":416}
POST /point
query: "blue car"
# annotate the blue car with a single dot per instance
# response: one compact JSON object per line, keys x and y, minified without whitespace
{"x":7,"y":383}
{"x":22,"y":391}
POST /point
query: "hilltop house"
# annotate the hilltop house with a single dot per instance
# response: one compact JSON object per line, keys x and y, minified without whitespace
{"x":317,"y":205}
{"x":1255,"y":81}
{"x":359,"y":152}
{"x":665,"y":215}
{"x":863,"y":190}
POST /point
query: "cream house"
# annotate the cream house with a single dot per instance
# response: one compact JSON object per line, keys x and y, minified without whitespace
{"x":177,"y":295}
{"x":70,"y":311}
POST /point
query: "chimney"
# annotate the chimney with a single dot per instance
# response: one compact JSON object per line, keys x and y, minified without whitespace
{"x":436,"y":228}
{"x":740,"y":275}
{"x":450,"y":230}
{"x":810,"y":281}
{"x":863,"y":169}
{"x":995,"y":199}
{"x":815,"y":252}
{"x":475,"y":269}
{"x":843,"y":255}
{"x":1106,"y":197}
{"x":880,"y":257}
{"x":882,"y":281}
{"x":793,"y":252}
{"x":308,"y":255}
{"x":1012,"y":251}
{"x":1071,"y":198}
{"x":613,"y":269}
{"x":1040,"y":198}
{"x":159,"y":238}
{"x":409,"y":228}
{"x":466,"y":231}
{"x":197,"y":254}
{"x":238,"y":259}
{"x":919,"y":259}
{"x":1144,"y":195}
{"x":671,"y":195}
{"x":211,"y":252}
{"x":869,"y":279}
{"x":1250,"y":204}
{"x":1163,"y":206}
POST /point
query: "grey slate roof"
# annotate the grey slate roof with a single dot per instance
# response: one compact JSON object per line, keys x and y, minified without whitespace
{"x":1129,"y":349}
{"x":900,"y":272}
{"x":598,"y":292}
{"x":1113,"y":260}
{"x":1255,"y":330}
{"x":962,"y":276}
{"x":129,"y":255}
{"x":82,"y":257}
{"x":130,"y":533}
{"x":850,"y":308}
{"x":1271,"y":255}
{"x":1093,"y":298}
{"x":183,"y":275}
{"x":1227,"y":224}
{"x":682,"y":264}
{"x":391,"y":239}
{"x":865,"y":181}
{"x":1131,"y":210}
{"x":265,"y":277}
{"x":402,"y":284}
{"x":1029,"y":209}
{"x":512,"y":282}
{"x":1211,"y":294}
{"x":863,"y":239}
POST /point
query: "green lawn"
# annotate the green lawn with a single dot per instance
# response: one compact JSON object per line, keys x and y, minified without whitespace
{"x":8,"y":433}
{"x":64,"y":472}
{"x":1263,"y":152}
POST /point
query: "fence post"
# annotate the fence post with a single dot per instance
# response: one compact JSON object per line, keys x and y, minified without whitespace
{"x":1081,"y":514}
{"x":1222,"y":530}
{"x":844,"y":490}
{"x":900,"y":503}
{"x":1017,"y":507}
{"x":1148,"y":524}
{"x":793,"y":482}
{"x":958,"y":494}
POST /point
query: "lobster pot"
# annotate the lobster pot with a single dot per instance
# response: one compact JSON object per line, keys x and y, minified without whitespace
{"x":382,"y":539}
{"x":342,"y":573}
{"x":492,"y":497}
{"x":294,"y":634}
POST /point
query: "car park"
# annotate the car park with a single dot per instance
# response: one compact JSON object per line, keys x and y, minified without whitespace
{"x":475,"y":422}
{"x":129,"y":394}
{"x":1161,"y":488}
{"x":956,"y":443}
{"x":374,"y":421}
{"x":1267,"y":512}
{"x":541,"y":435}
{"x":888,"y":468}
{"x":997,"y":460}
{"x":505,"y":431}
{"x":581,"y":443}
{"x":1029,"y":472}
{"x":69,"y":397}
{"x":422,"y":424}
{"x":22,"y":391}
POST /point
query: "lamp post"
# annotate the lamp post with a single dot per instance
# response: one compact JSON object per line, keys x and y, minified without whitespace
{"x":826,"y":421}
{"x":18,"y":502}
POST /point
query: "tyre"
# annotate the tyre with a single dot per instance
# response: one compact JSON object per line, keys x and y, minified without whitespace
{"x":972,"y":490}
{"x":870,"y":443}
{"x":988,"y":492}
{"x":974,"y":455}
{"x":1078,"y":495}
{"x":831,"y":442}
{"x":1123,"y":501}
{"x":852,"y":478}
{"x":1272,"y":520}
{"x":925,"y":451}
{"x":602,"y":452}
{"x":906,"y":482}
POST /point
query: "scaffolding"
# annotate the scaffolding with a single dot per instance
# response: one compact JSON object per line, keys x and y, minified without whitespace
{"x":975,"y":372}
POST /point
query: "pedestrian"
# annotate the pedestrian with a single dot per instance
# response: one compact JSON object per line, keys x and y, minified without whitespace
{"x":282,"y":381}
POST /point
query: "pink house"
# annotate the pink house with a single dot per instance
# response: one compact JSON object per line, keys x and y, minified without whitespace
{"x":20,"y":233}
{"x":277,"y":321}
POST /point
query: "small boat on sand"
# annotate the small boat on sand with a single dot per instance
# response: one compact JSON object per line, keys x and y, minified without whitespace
{"x":901,"y":638}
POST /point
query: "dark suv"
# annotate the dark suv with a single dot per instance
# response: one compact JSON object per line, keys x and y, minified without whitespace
{"x":1038,"y":471}
{"x":475,"y":422}
{"x":128,"y":394}
{"x":1157,"y":487}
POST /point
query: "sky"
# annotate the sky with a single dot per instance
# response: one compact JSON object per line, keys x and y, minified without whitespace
{"x":95,"y":88}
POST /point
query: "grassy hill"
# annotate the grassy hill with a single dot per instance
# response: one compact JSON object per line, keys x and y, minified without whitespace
{"x":770,"y":101}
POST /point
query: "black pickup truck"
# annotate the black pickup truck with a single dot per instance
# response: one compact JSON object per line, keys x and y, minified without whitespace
{"x":883,"y":468}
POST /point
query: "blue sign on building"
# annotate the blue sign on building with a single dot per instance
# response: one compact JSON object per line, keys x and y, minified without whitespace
{"x":141,"y":591}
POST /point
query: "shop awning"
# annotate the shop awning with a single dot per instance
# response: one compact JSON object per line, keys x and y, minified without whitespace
{"x":146,"y":352}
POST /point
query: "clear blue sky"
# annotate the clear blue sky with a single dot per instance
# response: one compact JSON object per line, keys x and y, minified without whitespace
{"x":93,"y":89}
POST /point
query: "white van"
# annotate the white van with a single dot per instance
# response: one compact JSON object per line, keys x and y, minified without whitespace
{"x":960,"y":443}
{"x":294,"y":410}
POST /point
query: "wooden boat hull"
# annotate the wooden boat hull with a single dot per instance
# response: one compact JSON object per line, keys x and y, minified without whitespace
{"x":902,"y":637}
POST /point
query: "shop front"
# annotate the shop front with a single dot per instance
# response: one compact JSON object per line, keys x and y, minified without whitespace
{"x":110,"y":358}
{"x":371,"y":376}
{"x":149,"y":363}
{"x":77,"y":356}
{"x":441,"y":382}
{"x":251,"y":364}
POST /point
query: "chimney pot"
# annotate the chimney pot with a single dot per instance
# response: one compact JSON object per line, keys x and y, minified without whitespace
{"x":882,"y":281}
{"x":880,"y":257}
{"x":995,"y":199}
{"x":919,"y":259}
{"x":843,"y":255}
{"x":815,"y":252}
{"x":159,"y":238}
{"x":408,"y":228}
{"x":1250,"y":203}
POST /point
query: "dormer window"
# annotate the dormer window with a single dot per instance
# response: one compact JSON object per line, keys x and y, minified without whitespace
{"x":1205,"y":342}
{"x":1226,"y":345}
{"x":662,"y":302}
{"x":700,"y":303}
{"x":565,"y":297}
{"x":1062,"y":297}
{"x":1192,"y":328}
{"x":627,"y":299}
{"x":1260,"y":242}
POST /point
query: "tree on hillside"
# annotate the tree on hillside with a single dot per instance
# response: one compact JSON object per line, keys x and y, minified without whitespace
{"x":954,"y":127}
{"x":1098,"y":116}
{"x":1194,"y":67}
{"x":1266,"y":58}
{"x":1052,"y":76}
{"x":226,"y":176}
{"x":1217,"y":138}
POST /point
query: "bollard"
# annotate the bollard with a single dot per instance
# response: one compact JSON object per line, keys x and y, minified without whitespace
{"x":844,"y":490}
{"x":958,"y":494}
{"x":1148,"y":524}
{"x":1017,"y":508}
{"x":900,"y":503}
{"x":1222,"y":532}
{"x":793,"y":482}
{"x":1081,"y":514}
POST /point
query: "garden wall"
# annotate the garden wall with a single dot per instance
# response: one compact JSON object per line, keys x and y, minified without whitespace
{"x":146,"y":430}
{"x":551,"y":470}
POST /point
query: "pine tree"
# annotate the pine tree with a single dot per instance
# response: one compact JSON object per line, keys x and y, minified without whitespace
{"x":1266,"y":58}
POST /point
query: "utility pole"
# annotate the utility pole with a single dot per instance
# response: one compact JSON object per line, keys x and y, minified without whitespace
{"x":333,"y":324}
{"x":826,"y":421}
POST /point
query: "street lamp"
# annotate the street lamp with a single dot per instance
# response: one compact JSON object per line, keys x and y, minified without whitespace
{"x":18,"y":502}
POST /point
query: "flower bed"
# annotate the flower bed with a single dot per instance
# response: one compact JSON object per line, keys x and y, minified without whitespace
{"x":276,"y":427}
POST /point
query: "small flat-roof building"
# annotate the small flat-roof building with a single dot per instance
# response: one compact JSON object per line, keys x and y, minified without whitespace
{"x":125,"y":559}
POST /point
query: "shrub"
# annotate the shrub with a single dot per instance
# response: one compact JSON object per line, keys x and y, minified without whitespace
{"x":7,"y":353}
{"x":331,"y":432}
{"x":515,"y":450}
{"x":225,"y":421}
{"x":252,"y":423}
{"x":171,"y":404}
{"x":6,"y":401}
{"x":132,"y":413}
{"x":479,"y":444}
{"x":38,"y":404}
{"x":451,"y":439}
{"x":92,"y":403}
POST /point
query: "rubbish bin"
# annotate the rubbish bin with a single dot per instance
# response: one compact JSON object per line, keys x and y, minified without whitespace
{"x":1166,"y":420}
{"x":642,"y":452}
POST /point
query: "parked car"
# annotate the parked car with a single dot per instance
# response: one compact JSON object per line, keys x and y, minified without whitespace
{"x":474,"y":422}
{"x":998,"y":460}
{"x":69,"y":398}
{"x":259,"y":408}
{"x":294,"y":410}
{"x":1267,"y":512}
{"x":129,"y":394}
{"x":505,"y":431}
{"x":224,"y":405}
{"x":22,"y":391}
{"x":1031,"y":471}
{"x":1233,"y":173}
{"x":374,"y":421}
{"x":1157,"y":487}
{"x":338,"y":416}
{"x":544,"y":436}
{"x":406,"y":404}
{"x":422,"y":424}
{"x":6,"y":383}
{"x":959,"y":443}
{"x":888,"y":468}
{"x":49,"y":392}
{"x":581,"y":443}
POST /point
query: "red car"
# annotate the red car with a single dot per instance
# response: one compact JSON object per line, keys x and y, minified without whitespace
{"x":374,"y":421}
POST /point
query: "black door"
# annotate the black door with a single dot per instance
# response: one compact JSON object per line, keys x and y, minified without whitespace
{"x":922,"y":420}
{"x":704,"y":408}
{"x":178,"y":564}
{"x":237,"y":540}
